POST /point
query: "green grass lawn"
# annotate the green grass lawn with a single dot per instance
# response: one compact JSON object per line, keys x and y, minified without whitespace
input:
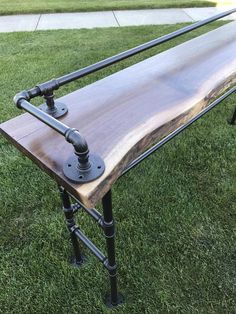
{"x":31,"y":6}
{"x":175,"y":213}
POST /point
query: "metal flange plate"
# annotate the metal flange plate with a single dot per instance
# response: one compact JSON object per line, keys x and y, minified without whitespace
{"x":60,"y":109}
{"x":76,"y":175}
{"x":109,"y":304}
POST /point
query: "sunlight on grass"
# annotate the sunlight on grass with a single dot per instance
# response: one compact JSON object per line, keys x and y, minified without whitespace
{"x":50,"y":6}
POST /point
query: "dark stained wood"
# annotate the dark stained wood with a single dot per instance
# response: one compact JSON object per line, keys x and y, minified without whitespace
{"x":125,"y":113}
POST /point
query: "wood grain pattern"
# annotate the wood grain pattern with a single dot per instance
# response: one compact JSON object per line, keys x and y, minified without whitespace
{"x":125,"y":113}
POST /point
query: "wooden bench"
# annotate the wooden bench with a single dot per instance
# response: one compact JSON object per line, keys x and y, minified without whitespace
{"x":121,"y":117}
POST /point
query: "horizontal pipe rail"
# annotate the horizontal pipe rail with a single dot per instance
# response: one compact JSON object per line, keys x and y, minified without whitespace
{"x":95,"y":215}
{"x":90,"y":245}
{"x":56,"y":83}
{"x":45,"y":118}
{"x":177,"y":131}
{"x":131,"y":52}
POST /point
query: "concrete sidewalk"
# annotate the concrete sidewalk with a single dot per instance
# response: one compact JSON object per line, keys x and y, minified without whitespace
{"x":33,"y":22}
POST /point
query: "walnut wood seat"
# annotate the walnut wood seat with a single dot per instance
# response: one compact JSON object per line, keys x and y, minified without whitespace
{"x":125,"y":113}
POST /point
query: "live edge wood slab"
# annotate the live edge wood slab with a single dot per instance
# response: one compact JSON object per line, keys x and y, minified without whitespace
{"x":125,"y":113}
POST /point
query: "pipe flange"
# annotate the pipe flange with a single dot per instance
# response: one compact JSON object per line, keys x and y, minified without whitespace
{"x":58,"y":111}
{"x":119,"y":300}
{"x":72,"y":171}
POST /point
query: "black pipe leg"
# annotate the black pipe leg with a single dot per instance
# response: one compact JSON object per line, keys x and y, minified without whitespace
{"x":114,"y":298}
{"x":233,"y":120}
{"x":78,"y":258}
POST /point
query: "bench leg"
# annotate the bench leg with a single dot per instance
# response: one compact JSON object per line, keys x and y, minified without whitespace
{"x":114,"y":298}
{"x":70,"y":222}
{"x":233,"y":120}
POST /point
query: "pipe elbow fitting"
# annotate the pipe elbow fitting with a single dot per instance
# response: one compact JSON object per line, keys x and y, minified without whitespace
{"x":24,"y":95}
{"x":78,"y":141}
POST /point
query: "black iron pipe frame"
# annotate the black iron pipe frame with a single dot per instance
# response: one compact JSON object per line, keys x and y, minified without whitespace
{"x":54,"y":84}
{"x":69,"y":210}
{"x":71,"y":135}
{"x":113,"y":298}
{"x":180,"y":129}
{"x":84,"y":166}
{"x":78,"y":258}
{"x":75,"y":232}
{"x":89,"y":244}
{"x":107,"y":223}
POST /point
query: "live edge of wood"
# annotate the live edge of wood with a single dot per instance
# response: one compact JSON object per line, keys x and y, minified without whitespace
{"x":127,"y":112}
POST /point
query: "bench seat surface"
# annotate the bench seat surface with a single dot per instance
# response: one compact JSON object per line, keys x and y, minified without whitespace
{"x":125,"y":113}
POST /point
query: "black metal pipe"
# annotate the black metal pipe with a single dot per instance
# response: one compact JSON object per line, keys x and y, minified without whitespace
{"x":34,"y":92}
{"x":180,"y":129}
{"x":92,"y":247}
{"x":49,"y":98}
{"x":70,"y":222}
{"x":56,"y":83}
{"x":131,"y":52}
{"x":71,"y":135}
{"x":95,"y":215}
{"x":44,"y":117}
{"x":113,"y":298}
{"x":107,"y":207}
